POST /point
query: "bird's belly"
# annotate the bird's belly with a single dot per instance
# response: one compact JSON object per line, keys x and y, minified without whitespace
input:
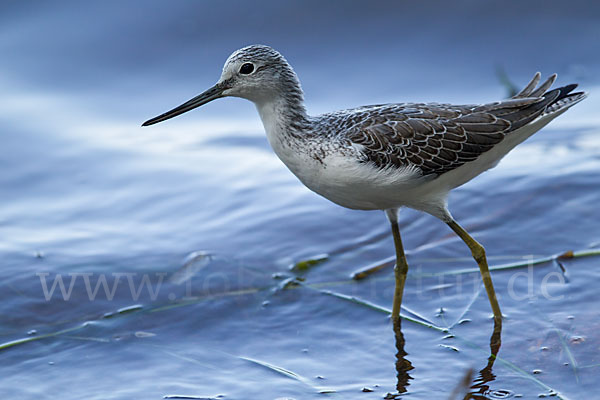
{"x":346,"y":181}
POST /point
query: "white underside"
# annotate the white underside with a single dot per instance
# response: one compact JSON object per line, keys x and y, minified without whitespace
{"x":349,"y":183}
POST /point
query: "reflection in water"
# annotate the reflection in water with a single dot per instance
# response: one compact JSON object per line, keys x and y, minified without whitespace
{"x":402,"y":364}
{"x":480,"y":385}
{"x":479,"y":389}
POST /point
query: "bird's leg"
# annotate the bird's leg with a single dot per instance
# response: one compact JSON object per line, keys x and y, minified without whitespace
{"x":400,"y":270}
{"x":478,"y":253}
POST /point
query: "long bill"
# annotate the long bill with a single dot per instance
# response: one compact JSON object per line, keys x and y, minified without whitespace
{"x":211,"y":94}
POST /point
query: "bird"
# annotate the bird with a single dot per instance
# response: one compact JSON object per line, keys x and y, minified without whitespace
{"x":386,"y":156}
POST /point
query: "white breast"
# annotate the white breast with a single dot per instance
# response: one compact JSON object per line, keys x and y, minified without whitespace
{"x":339,"y":176}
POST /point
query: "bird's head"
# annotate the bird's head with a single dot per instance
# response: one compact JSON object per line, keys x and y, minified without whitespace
{"x":257,"y":73}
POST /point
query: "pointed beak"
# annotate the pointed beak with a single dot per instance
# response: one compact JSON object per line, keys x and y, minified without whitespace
{"x":211,"y":94}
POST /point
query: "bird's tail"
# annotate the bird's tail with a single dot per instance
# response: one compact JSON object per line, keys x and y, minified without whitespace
{"x":555,"y":100}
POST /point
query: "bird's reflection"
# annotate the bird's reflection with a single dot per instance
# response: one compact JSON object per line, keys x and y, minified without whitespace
{"x":480,"y":386}
{"x":477,"y":390}
{"x":403,"y":365}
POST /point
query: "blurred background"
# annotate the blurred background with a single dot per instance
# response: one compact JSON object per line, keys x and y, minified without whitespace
{"x":201,"y":208}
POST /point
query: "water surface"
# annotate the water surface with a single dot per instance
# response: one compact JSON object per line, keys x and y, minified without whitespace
{"x":174,"y":243}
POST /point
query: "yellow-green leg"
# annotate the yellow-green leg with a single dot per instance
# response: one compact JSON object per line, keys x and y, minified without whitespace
{"x":401,"y":268}
{"x":478,"y":253}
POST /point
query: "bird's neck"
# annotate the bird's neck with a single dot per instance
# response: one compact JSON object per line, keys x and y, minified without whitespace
{"x":291,"y":136}
{"x":284,"y":116}
{"x":288,"y":129}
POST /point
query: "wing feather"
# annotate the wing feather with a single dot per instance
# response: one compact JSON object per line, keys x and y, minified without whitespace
{"x":437,"y":138}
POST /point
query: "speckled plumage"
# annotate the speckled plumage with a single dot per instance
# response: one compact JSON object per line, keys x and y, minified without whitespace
{"x":386,"y":156}
{"x":389,"y":155}
{"x":437,"y":138}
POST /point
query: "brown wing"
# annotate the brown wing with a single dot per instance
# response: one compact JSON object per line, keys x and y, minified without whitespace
{"x":438,"y":138}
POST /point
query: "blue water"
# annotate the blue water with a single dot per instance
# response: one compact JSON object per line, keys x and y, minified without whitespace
{"x":174,"y":243}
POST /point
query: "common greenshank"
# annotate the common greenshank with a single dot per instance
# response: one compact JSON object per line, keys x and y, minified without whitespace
{"x":386,"y":156}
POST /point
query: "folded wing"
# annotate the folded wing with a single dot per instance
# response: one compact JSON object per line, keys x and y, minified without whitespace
{"x":437,"y":138}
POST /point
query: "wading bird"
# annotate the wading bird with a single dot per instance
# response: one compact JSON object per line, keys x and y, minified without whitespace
{"x":386,"y":156}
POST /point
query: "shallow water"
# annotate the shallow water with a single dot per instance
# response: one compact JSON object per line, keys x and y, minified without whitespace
{"x":174,"y":243}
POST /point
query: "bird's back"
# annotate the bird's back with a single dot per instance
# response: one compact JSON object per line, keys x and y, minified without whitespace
{"x":438,"y":138}
{"x":413,"y":154}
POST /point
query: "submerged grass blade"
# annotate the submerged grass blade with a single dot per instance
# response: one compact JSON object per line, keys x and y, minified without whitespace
{"x":468,"y":307}
{"x":519,"y":264}
{"x":124,"y":310}
{"x":279,"y":370}
{"x":120,"y":312}
{"x":185,"y":358}
{"x":531,"y":378}
{"x":87,"y":339}
{"x":307,"y":264}
{"x":288,"y":373}
{"x":590,"y":366}
{"x":371,"y":269}
{"x":356,"y":300}
{"x":567,"y":350}
{"x":17,"y":342}
{"x":199,"y":299}
{"x":565,"y":346}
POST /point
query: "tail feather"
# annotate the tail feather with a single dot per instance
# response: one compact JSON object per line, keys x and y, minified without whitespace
{"x":528,"y":90}
{"x":544,"y":86}
{"x":553,"y":100}
{"x":565,"y":102}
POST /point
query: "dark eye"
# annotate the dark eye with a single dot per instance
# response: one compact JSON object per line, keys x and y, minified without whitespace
{"x":247,"y":69}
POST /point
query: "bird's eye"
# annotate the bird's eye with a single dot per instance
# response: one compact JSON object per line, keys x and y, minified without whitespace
{"x":246,"y":69}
